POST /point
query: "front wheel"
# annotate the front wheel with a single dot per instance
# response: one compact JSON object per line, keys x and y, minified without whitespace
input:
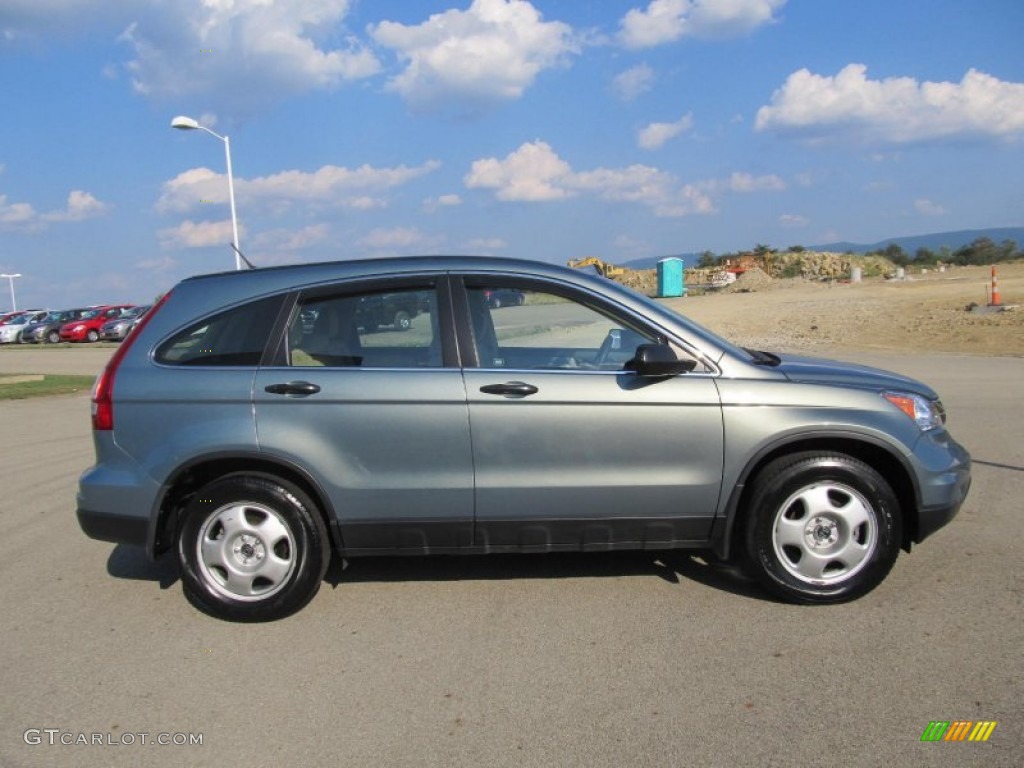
{"x":252,"y":548}
{"x":53,"y":337}
{"x":92,"y":335}
{"x":821,"y":528}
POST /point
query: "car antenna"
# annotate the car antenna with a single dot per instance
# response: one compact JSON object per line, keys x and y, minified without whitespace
{"x":242,"y":256}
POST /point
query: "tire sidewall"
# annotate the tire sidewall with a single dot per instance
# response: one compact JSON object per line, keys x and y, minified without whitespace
{"x":295,"y":510}
{"x":785,"y":479}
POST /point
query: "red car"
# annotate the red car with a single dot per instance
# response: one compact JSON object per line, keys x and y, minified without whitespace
{"x":87,"y":327}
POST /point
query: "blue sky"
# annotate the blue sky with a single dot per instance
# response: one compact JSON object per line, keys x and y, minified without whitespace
{"x":548,"y":129}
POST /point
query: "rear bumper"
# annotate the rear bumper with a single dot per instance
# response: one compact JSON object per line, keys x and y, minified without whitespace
{"x":110,"y":526}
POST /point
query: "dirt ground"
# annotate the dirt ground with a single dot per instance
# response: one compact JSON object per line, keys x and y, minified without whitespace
{"x":923,"y":313}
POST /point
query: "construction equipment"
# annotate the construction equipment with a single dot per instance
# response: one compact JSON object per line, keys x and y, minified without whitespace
{"x":603,"y":268}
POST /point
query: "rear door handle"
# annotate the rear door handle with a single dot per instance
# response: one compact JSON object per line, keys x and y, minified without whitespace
{"x":510,"y":389}
{"x":292,"y":388}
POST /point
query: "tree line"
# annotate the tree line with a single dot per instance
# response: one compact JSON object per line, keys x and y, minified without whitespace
{"x":982,"y":251}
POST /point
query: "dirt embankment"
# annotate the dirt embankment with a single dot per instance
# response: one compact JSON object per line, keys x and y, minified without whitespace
{"x":925,"y":312}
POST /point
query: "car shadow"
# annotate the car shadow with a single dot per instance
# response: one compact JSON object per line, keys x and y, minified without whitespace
{"x":670,"y":566}
{"x":131,"y":563}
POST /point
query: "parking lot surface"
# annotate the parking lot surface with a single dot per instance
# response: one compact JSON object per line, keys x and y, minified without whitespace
{"x":589,"y":660}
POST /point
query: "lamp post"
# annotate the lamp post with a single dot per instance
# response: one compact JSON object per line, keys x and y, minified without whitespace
{"x":10,"y":279}
{"x":188,"y":124}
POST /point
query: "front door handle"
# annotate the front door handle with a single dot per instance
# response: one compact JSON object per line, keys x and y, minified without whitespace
{"x":510,"y":389}
{"x":292,"y":388}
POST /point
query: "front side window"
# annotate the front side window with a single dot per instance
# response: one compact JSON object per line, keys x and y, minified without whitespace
{"x":381,"y":329}
{"x":533,"y":329}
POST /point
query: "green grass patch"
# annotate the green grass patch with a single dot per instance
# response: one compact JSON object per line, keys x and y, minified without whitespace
{"x":51,"y":384}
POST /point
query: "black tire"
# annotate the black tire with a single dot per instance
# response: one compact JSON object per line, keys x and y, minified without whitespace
{"x":262,"y":531}
{"x":53,"y":337}
{"x":92,"y":335}
{"x":821,"y":528}
{"x":403,"y":320}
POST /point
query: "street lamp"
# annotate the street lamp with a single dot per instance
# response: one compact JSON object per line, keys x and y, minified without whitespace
{"x":10,"y":279}
{"x":188,"y":124}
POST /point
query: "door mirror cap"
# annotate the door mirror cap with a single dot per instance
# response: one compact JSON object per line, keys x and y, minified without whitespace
{"x":658,"y":360}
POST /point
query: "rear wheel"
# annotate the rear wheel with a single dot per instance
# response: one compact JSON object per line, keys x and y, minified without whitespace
{"x":821,"y":528}
{"x":53,"y":337}
{"x":252,"y":548}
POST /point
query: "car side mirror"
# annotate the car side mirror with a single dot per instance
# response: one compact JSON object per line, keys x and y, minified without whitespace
{"x":658,"y":360}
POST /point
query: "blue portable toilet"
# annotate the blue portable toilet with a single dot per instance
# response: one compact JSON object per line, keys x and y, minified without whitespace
{"x":671,"y":279}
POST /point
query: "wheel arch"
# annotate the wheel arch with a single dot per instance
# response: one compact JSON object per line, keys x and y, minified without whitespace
{"x":880,"y":456}
{"x":190,"y":477}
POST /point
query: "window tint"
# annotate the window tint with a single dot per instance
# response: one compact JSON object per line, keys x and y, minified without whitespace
{"x":235,"y":337}
{"x":387,"y":329}
{"x":529,"y":329}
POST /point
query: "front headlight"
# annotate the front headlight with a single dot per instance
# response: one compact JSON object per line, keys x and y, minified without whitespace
{"x":927,"y":414}
{"x":78,"y":328}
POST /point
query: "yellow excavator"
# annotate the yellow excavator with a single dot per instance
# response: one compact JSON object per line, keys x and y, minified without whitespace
{"x":603,"y":268}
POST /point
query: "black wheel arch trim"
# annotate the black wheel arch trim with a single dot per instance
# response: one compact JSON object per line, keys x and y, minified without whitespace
{"x":833,"y":440}
{"x":173,"y":495}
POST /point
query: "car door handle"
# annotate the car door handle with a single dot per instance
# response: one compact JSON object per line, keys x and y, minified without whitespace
{"x":292,"y":388}
{"x":510,"y":389}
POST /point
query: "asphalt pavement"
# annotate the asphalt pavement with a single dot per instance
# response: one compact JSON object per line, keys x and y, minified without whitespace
{"x":547,"y":660}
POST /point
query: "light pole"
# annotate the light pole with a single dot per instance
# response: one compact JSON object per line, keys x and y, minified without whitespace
{"x":188,"y":124}
{"x":10,"y":279}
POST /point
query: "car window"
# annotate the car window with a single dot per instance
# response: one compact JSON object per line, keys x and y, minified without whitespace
{"x":533,"y":329}
{"x":236,"y":337}
{"x":385,"y":329}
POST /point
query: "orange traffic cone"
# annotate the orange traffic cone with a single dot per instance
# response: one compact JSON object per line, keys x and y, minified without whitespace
{"x":996,"y":301}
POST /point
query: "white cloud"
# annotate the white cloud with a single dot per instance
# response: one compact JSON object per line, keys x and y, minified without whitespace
{"x":432,"y":204}
{"x":665,"y":21}
{"x":224,"y":48}
{"x":535,"y":173}
{"x":81,"y":206}
{"x":486,"y":245}
{"x":398,"y":240}
{"x":360,"y":188}
{"x":633,"y":82}
{"x":655,"y":135}
{"x":928,"y":208}
{"x":746,"y":182}
{"x":198,"y":234}
{"x":291,"y":239}
{"x":470,"y":60}
{"x":165,"y":264}
{"x":24,"y":217}
{"x":16,"y":215}
{"x":897,"y":109}
{"x":532,"y":173}
{"x":793,"y":220}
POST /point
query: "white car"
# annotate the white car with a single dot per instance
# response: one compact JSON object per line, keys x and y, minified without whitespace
{"x":10,"y":332}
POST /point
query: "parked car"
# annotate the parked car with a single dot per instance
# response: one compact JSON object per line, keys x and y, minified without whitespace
{"x":47,"y":328}
{"x":387,"y":309}
{"x":253,"y":428}
{"x":505,"y":297}
{"x":87,"y":327}
{"x":119,"y":327}
{"x":10,"y":332}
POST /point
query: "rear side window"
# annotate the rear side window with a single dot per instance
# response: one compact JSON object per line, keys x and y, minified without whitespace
{"x":233,"y":338}
{"x":382,"y":329}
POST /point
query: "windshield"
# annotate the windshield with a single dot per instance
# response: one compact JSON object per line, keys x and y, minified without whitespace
{"x":90,"y":314}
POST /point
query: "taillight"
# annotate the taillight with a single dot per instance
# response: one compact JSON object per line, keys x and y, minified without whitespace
{"x":103,"y":389}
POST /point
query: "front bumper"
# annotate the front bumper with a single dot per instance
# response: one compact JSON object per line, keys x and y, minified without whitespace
{"x":944,"y":474}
